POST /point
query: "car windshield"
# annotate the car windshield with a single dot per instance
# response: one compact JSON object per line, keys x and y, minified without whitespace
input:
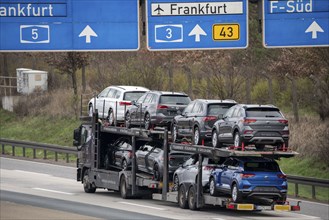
{"x":263,"y":112}
{"x":261,"y":167}
{"x":131,"y":96}
{"x":174,"y":99}
{"x":217,"y":109}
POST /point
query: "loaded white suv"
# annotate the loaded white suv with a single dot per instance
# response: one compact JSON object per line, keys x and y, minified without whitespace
{"x":112,"y":102}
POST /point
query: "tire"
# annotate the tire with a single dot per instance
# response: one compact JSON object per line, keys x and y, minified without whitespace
{"x":237,"y":139}
{"x":156,"y":172}
{"x":196,"y":136}
{"x":191,"y":198}
{"x":236,"y":194}
{"x":176,"y":183}
{"x":91,"y":111}
{"x":87,"y":186}
{"x":214,"y":140}
{"x":111,"y":117}
{"x":124,"y":164}
{"x":124,"y":191}
{"x":174,"y":133}
{"x":147,"y":121}
{"x":128,"y":120}
{"x":212,"y":187}
{"x":182,"y":202}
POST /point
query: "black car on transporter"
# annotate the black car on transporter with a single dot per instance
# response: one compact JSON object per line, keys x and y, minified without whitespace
{"x":156,"y":108}
{"x":197,"y":119}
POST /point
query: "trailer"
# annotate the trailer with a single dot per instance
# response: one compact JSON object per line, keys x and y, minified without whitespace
{"x":94,"y":135}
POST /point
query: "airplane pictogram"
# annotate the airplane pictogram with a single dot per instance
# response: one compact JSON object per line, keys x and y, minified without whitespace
{"x":158,"y":9}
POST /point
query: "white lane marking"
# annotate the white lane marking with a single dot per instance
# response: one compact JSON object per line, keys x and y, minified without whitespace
{"x":218,"y":218}
{"x":54,"y":191}
{"x":308,"y":216}
{"x":28,"y":172}
{"x":305,"y":201}
{"x":145,"y":206}
{"x":45,"y":164}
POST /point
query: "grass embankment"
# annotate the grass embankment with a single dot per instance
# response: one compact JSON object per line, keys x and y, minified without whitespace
{"x":60,"y":131}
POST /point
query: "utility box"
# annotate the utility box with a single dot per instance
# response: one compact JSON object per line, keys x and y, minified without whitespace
{"x":29,"y":81}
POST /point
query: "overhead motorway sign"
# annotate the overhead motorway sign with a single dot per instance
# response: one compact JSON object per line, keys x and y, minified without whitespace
{"x":196,"y":24}
{"x":295,"y":23}
{"x":69,"y":25}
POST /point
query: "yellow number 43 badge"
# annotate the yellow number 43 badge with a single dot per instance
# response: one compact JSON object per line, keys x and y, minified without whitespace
{"x":225,"y":32}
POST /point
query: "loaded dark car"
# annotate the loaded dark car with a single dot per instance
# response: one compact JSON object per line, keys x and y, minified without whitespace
{"x":197,"y":119}
{"x":156,"y":108}
{"x":258,"y":125}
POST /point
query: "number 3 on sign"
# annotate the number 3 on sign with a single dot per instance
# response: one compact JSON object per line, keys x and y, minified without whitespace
{"x":226,"y":32}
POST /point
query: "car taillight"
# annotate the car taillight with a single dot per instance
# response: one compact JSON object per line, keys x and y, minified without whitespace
{"x":283,"y":121}
{"x":209,"y":118}
{"x":248,"y":121}
{"x":171,"y":158}
{"x":285,"y":132}
{"x":248,"y":132}
{"x":282,"y":176}
{"x":247,"y":175}
{"x":208,"y":168}
{"x":122,"y":103}
{"x":162,"y":107}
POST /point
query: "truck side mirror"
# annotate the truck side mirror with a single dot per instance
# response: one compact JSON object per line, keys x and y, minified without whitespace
{"x":76,"y":137}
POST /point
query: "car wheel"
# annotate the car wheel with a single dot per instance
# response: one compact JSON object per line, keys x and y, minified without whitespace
{"x":124,"y":164}
{"x":260,"y":147}
{"x":87,"y":185}
{"x":191,"y":198}
{"x":91,"y":111}
{"x":237,"y":139}
{"x":236,"y":194}
{"x":182,"y":197}
{"x":196,"y":136}
{"x":212,"y":187}
{"x":111,"y":117}
{"x":156,"y":172}
{"x":174,"y":133}
{"x":147,"y":121}
{"x":128,"y":120}
{"x":124,"y":191}
{"x":214,"y":140}
{"x":176,"y":183}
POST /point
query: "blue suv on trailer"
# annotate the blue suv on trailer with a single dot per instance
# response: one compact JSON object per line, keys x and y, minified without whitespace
{"x":249,"y":177}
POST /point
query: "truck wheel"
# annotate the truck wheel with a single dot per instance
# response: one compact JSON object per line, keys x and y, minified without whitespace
{"x":237,"y":139}
{"x":124,"y":191}
{"x":212,"y":187}
{"x":236,"y":194}
{"x":191,"y":198}
{"x":182,"y":197}
{"x":214,"y":140}
{"x":87,"y":185}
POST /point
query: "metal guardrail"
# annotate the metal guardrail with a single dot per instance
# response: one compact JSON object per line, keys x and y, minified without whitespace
{"x":37,"y":146}
{"x":296,"y":180}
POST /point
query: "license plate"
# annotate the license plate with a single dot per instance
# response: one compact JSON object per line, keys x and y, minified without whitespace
{"x":285,"y":208}
{"x":245,"y":207}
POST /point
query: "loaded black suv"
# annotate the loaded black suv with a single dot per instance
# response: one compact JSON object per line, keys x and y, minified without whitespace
{"x":197,"y":119}
{"x":156,"y":108}
{"x":257,"y":125}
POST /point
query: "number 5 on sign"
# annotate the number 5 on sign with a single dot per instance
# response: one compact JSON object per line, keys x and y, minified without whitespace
{"x":226,"y":32}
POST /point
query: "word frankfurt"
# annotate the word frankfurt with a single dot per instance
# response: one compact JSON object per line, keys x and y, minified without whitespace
{"x":197,"y":8}
{"x":32,"y":10}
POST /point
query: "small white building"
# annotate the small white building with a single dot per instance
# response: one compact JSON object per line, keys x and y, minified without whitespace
{"x":30,"y":80}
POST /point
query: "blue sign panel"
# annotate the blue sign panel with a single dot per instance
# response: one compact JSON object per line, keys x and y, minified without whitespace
{"x":197,"y":24}
{"x":295,"y":23}
{"x":69,"y":25}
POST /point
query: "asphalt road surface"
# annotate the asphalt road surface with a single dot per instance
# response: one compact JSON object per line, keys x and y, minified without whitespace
{"x":32,"y":190}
